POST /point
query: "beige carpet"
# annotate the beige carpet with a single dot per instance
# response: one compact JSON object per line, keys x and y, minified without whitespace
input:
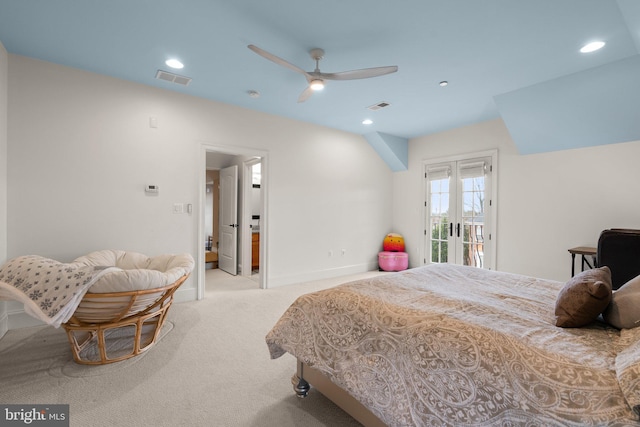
{"x":211,"y":368}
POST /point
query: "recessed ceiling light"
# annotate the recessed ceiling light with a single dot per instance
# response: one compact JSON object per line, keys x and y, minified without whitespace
{"x":443,"y":83}
{"x":174,"y":63}
{"x":367,"y":122}
{"x":592,"y":47}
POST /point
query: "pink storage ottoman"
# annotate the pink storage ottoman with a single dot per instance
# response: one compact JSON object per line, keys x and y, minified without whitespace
{"x":393,"y":261}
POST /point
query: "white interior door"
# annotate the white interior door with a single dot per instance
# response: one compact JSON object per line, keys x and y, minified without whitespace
{"x":228,"y":251}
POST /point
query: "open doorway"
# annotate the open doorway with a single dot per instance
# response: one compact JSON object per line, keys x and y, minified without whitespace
{"x":251,"y":207}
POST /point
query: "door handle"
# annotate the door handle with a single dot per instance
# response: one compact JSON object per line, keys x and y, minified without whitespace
{"x":458,"y":229}
{"x":451,"y":229}
{"x":233,"y":225}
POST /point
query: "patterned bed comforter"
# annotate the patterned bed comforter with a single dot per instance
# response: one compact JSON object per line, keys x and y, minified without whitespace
{"x":446,"y":345}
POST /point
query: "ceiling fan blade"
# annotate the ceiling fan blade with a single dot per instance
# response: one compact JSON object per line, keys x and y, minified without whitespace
{"x":271,"y":57}
{"x":364,"y":73}
{"x":306,"y":94}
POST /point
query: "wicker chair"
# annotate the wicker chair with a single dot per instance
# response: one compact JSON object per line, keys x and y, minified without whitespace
{"x":123,"y":313}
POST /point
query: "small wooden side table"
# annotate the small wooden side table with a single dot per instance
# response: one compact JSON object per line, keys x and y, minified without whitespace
{"x":583,"y":251}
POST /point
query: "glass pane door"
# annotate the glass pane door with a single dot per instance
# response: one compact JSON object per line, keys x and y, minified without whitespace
{"x":472,"y":219}
{"x":439,"y":217}
{"x":458,"y":212}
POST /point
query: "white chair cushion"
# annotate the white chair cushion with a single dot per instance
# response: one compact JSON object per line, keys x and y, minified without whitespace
{"x":136,"y":271}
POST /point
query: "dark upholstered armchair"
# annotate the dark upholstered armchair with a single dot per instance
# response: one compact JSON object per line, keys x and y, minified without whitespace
{"x":619,"y":249}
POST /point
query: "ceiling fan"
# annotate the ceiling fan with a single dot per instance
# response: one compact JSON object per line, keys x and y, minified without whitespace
{"x":316,"y":78}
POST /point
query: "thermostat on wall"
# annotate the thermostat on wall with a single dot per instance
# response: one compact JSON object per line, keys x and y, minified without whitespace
{"x":151,"y":188}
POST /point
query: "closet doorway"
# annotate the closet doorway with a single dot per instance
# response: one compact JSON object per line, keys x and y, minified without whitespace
{"x":251,"y":208}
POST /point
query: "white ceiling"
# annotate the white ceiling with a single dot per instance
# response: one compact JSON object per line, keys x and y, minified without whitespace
{"x":487,"y":50}
{"x":217,"y":160}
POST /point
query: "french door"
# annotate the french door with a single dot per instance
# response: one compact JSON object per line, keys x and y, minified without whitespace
{"x":459,"y":212}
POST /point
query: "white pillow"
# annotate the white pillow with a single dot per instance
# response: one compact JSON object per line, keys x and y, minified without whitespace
{"x":624,"y":309}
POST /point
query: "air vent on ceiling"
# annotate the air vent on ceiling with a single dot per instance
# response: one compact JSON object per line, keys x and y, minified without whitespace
{"x":174,"y":78}
{"x":378,"y":106}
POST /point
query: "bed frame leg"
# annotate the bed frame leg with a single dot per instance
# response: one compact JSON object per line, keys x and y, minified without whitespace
{"x":300,"y":385}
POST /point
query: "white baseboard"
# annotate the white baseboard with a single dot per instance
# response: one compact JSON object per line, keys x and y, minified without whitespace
{"x":310,"y":276}
{"x":186,"y":294}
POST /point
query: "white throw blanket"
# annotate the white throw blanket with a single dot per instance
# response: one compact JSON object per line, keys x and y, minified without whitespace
{"x":50,"y":290}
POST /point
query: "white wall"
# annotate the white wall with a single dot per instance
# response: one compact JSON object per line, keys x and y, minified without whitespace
{"x":3,"y":174}
{"x":81,"y":150}
{"x":547,"y":203}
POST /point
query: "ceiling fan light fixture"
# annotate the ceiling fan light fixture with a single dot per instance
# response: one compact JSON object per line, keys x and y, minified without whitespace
{"x":316,"y":84}
{"x":315,"y":78}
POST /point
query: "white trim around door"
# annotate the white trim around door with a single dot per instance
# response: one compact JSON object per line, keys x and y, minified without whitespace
{"x":263,"y":276}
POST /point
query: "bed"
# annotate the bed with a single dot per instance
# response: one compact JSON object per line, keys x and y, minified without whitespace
{"x":446,"y":345}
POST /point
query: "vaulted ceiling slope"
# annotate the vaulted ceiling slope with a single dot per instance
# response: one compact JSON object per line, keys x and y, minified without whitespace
{"x":515,"y":59}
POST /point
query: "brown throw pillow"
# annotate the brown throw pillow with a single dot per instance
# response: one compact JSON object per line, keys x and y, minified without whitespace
{"x":583,"y":298}
{"x":624,"y":310}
